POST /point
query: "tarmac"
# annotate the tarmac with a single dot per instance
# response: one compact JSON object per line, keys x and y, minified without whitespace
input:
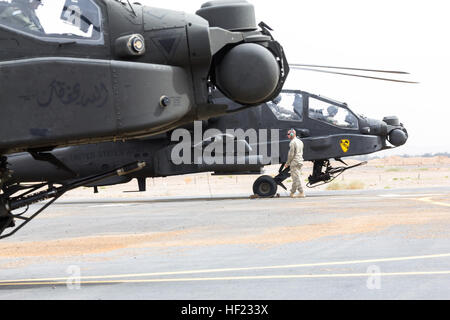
{"x":376,"y":244}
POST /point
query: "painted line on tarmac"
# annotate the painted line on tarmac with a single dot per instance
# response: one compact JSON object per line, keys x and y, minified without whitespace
{"x":272,"y":277}
{"x":418,"y":197}
{"x":430,"y":200}
{"x":408,"y":195}
{"x":435,"y":256}
{"x":113,"y":205}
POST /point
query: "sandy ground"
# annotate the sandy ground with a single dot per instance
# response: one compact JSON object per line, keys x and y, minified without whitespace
{"x":387,"y":173}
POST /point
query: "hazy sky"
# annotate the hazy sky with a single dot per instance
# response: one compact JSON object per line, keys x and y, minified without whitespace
{"x":410,"y":36}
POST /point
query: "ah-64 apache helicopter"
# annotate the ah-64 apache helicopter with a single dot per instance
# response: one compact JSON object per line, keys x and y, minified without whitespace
{"x":88,"y":71}
{"x":329,"y":130}
{"x":108,"y":81}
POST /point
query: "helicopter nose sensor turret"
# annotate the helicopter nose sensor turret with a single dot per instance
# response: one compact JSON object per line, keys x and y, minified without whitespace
{"x":253,"y":71}
{"x":232,"y":15}
{"x":248,"y":74}
{"x":397,"y":134}
{"x":398,"y":137}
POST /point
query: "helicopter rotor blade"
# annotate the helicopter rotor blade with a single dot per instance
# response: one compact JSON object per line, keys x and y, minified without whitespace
{"x":354,"y":75}
{"x":346,"y":68}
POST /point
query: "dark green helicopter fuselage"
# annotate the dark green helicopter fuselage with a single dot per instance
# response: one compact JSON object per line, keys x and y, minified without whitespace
{"x":322,"y":141}
{"x":142,"y":71}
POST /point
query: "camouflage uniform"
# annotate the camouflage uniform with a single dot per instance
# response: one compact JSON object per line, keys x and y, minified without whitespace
{"x":295,"y":162}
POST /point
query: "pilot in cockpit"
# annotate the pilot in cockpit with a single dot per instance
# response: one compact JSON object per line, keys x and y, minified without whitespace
{"x":293,"y":113}
{"x":332,"y":112}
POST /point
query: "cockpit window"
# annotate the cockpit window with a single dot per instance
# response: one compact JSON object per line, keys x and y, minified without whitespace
{"x":287,"y":107}
{"x":78,"y":20}
{"x":332,"y":114}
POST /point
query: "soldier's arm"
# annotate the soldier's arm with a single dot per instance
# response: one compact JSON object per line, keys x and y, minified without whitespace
{"x":291,"y":155}
{"x":301,"y":148}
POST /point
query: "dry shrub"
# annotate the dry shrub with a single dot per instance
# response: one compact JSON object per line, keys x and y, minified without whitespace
{"x":356,"y":185}
{"x":353,"y":185}
{"x":336,"y":186}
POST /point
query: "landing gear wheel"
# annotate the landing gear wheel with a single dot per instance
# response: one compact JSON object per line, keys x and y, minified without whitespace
{"x":265,"y":187}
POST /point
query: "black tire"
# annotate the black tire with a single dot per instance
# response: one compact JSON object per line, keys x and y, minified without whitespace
{"x":265,"y":187}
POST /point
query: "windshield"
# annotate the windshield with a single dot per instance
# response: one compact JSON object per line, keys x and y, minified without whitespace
{"x":332,"y":114}
{"x":74,"y":19}
{"x":287,"y":107}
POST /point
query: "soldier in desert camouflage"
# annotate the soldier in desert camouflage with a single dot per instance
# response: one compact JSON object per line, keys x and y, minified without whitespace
{"x":295,"y":162}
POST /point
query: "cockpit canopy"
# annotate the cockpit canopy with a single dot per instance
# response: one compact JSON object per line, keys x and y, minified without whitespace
{"x":296,"y":106}
{"x":332,"y":114}
{"x":288,"y":106}
{"x":53,"y":20}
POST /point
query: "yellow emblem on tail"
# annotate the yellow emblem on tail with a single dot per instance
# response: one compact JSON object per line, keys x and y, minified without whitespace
{"x":345,"y":145}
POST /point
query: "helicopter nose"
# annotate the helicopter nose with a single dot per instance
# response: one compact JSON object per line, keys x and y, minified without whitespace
{"x":397,"y":134}
{"x":398,"y":137}
{"x":252,"y":70}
